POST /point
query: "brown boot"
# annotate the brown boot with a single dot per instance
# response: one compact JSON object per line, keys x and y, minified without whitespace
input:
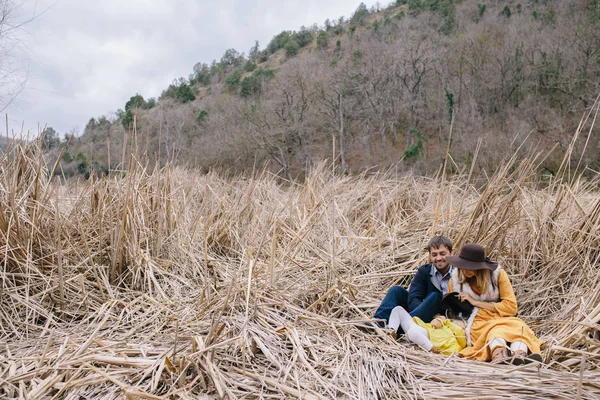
{"x":519,"y":358}
{"x":500,"y":355}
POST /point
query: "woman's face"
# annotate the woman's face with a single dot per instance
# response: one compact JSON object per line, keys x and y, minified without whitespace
{"x":468,"y":273}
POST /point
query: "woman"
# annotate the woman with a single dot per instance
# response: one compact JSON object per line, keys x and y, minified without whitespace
{"x":493,"y":332}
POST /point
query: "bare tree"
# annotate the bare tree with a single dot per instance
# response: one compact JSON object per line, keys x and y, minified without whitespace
{"x":13,"y":55}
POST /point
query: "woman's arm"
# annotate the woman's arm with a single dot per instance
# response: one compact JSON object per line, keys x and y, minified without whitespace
{"x":507,"y":307}
{"x":463,"y":296}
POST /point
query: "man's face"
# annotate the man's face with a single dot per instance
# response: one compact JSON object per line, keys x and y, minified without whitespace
{"x":437,"y":255}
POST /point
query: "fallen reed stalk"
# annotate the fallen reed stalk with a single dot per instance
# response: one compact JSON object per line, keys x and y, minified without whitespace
{"x":171,"y":283}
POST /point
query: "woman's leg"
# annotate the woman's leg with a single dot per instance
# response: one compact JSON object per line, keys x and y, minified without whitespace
{"x":399,"y":317}
{"x":500,"y":352}
{"x":518,"y":346}
{"x":521,"y":353}
{"x":497,"y":343}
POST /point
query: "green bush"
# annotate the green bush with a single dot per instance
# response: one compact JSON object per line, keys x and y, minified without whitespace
{"x":134,"y":102}
{"x":252,"y":85}
{"x":359,"y":16}
{"x":184,"y":93}
{"x":233,"y":79}
{"x":323,"y":40}
{"x":304,"y":37}
{"x":82,"y":167}
{"x":414,"y":150}
{"x":375,"y":25}
{"x":248,"y":87}
{"x":338,"y":29}
{"x":415,"y":7}
{"x":231,"y":57}
{"x":150,"y":103}
{"x":201,"y":74}
{"x":278,"y":42}
{"x":249,"y":66}
{"x":180,"y":91}
{"x":291,"y":48}
{"x":127,"y":119}
{"x":202,"y":117}
{"x":481,"y":8}
{"x":447,"y":12}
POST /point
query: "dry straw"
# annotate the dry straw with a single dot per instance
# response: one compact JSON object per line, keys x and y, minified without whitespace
{"x":171,"y":284}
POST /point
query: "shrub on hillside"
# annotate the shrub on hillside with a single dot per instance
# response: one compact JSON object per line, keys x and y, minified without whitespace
{"x":233,"y":79}
{"x":232,"y":58}
{"x":201,"y":74}
{"x":249,"y":66}
{"x":136,"y":101}
{"x":127,"y":119}
{"x":202,"y":117}
{"x":180,"y":91}
{"x":279,"y":41}
{"x":291,"y":48}
{"x":359,"y":16}
{"x":252,"y":85}
{"x":323,"y":40}
{"x":304,"y":37}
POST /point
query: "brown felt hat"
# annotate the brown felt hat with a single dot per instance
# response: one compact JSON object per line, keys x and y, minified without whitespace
{"x":472,"y":257}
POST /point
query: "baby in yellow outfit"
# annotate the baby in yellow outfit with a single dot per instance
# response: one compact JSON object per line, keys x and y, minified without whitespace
{"x":441,"y":335}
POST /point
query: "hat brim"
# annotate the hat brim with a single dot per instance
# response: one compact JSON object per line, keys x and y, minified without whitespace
{"x":462,"y":263}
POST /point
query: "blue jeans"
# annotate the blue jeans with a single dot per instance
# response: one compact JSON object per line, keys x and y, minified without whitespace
{"x":398,"y":296}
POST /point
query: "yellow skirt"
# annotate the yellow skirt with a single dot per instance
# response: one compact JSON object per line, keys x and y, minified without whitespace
{"x":487,"y":326}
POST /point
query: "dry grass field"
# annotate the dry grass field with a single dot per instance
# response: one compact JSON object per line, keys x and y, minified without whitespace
{"x":170,"y":284}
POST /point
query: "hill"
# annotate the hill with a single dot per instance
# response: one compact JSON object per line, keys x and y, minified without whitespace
{"x":377,"y":90}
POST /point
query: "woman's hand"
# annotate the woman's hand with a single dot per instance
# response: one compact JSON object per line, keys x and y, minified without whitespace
{"x":463,"y":296}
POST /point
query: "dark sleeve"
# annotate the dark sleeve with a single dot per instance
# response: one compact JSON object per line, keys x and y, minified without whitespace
{"x":418,"y":288}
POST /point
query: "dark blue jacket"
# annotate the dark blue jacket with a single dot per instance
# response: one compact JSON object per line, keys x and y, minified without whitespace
{"x":421,"y":285}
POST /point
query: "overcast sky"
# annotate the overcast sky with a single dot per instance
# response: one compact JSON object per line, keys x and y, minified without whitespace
{"x":87,"y":58}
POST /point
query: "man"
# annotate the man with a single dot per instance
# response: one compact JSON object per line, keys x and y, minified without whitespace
{"x":430,"y":283}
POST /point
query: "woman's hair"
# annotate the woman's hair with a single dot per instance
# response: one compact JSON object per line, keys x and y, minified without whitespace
{"x":482,"y":279}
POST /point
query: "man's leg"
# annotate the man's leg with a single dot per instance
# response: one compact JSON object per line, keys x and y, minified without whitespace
{"x":429,"y":307}
{"x":396,"y":296}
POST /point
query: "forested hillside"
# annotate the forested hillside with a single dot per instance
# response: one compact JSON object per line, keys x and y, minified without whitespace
{"x":377,"y":89}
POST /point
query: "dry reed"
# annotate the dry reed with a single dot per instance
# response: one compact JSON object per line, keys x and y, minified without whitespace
{"x":172,"y":284}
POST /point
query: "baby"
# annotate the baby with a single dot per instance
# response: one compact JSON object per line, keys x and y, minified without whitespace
{"x":441,"y":335}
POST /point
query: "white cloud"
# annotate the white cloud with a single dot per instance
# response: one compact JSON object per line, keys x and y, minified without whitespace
{"x":88,"y":57}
